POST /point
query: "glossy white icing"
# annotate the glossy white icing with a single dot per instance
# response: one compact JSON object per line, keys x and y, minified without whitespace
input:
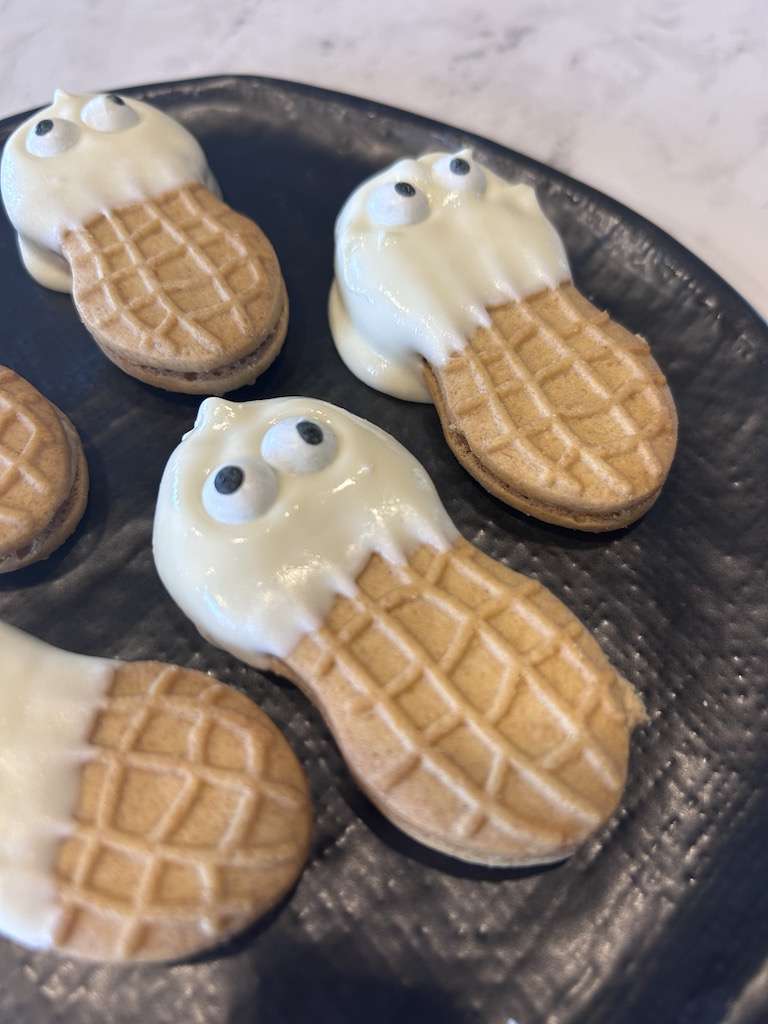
{"x":255,"y":586}
{"x":84,"y":155}
{"x":415,"y":287}
{"x":48,"y":699}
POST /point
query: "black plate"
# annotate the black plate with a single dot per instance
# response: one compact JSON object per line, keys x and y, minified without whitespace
{"x":664,"y":916}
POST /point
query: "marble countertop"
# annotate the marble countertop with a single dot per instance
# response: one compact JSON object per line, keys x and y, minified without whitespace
{"x":662,"y":104}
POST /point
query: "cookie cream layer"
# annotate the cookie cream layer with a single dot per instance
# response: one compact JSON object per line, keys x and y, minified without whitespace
{"x":48,"y":699}
{"x":60,"y":179}
{"x":267,"y":510}
{"x":422,"y":251}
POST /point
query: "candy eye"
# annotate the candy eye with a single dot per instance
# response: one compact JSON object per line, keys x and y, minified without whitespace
{"x":51,"y":135}
{"x":396,"y":204}
{"x":299,"y":445}
{"x":239,"y":491}
{"x":108,"y":113}
{"x":460,"y":173}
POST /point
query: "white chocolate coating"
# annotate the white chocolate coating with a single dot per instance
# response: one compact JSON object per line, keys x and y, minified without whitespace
{"x":404,"y":292}
{"x":45,"y":196}
{"x":48,"y":699}
{"x":256,"y":587}
{"x":46,"y":267}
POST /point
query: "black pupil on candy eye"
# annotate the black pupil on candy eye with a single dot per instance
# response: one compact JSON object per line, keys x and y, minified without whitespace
{"x":116,"y":99}
{"x":309,"y":432}
{"x":405,"y":188}
{"x":459,"y":165}
{"x":43,"y":127}
{"x":228,"y":479}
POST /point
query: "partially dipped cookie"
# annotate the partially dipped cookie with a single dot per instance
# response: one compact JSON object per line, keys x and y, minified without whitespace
{"x":114,"y":201}
{"x":146,"y":811}
{"x":470,"y":705}
{"x":453,"y":287}
{"x":43,"y":474}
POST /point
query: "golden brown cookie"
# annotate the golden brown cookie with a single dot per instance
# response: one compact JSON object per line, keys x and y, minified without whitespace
{"x":471,"y":706}
{"x":559,"y":411}
{"x":43,"y":474}
{"x":113,"y":200}
{"x":452,"y":286}
{"x":469,"y":703}
{"x":180,"y":292}
{"x":155,"y":810}
{"x":192,"y":820}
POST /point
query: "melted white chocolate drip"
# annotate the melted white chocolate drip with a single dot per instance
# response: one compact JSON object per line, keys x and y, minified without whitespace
{"x":45,"y":196}
{"x":254,"y":586}
{"x":404,"y":292}
{"x":48,"y":699}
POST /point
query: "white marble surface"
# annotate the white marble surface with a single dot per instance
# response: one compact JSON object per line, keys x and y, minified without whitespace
{"x":661,"y":103}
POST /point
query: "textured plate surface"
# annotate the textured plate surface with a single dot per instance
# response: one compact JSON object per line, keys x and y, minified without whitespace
{"x":664,"y":916}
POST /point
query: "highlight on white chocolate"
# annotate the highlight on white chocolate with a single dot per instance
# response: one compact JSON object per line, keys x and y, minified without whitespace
{"x":81,"y":156}
{"x":314,"y":490}
{"x":48,"y":701}
{"x":423,"y":249}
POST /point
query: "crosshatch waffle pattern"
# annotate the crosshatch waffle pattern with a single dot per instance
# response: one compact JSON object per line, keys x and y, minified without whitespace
{"x":193,"y":819}
{"x":36,"y":467}
{"x":562,"y":403}
{"x":182,"y":282}
{"x":472,"y":705}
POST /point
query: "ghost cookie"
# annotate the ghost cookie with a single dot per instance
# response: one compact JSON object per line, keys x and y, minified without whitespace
{"x":452,"y":287}
{"x":471,"y":706}
{"x":146,"y":811}
{"x":43,"y":474}
{"x":114,"y":201}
